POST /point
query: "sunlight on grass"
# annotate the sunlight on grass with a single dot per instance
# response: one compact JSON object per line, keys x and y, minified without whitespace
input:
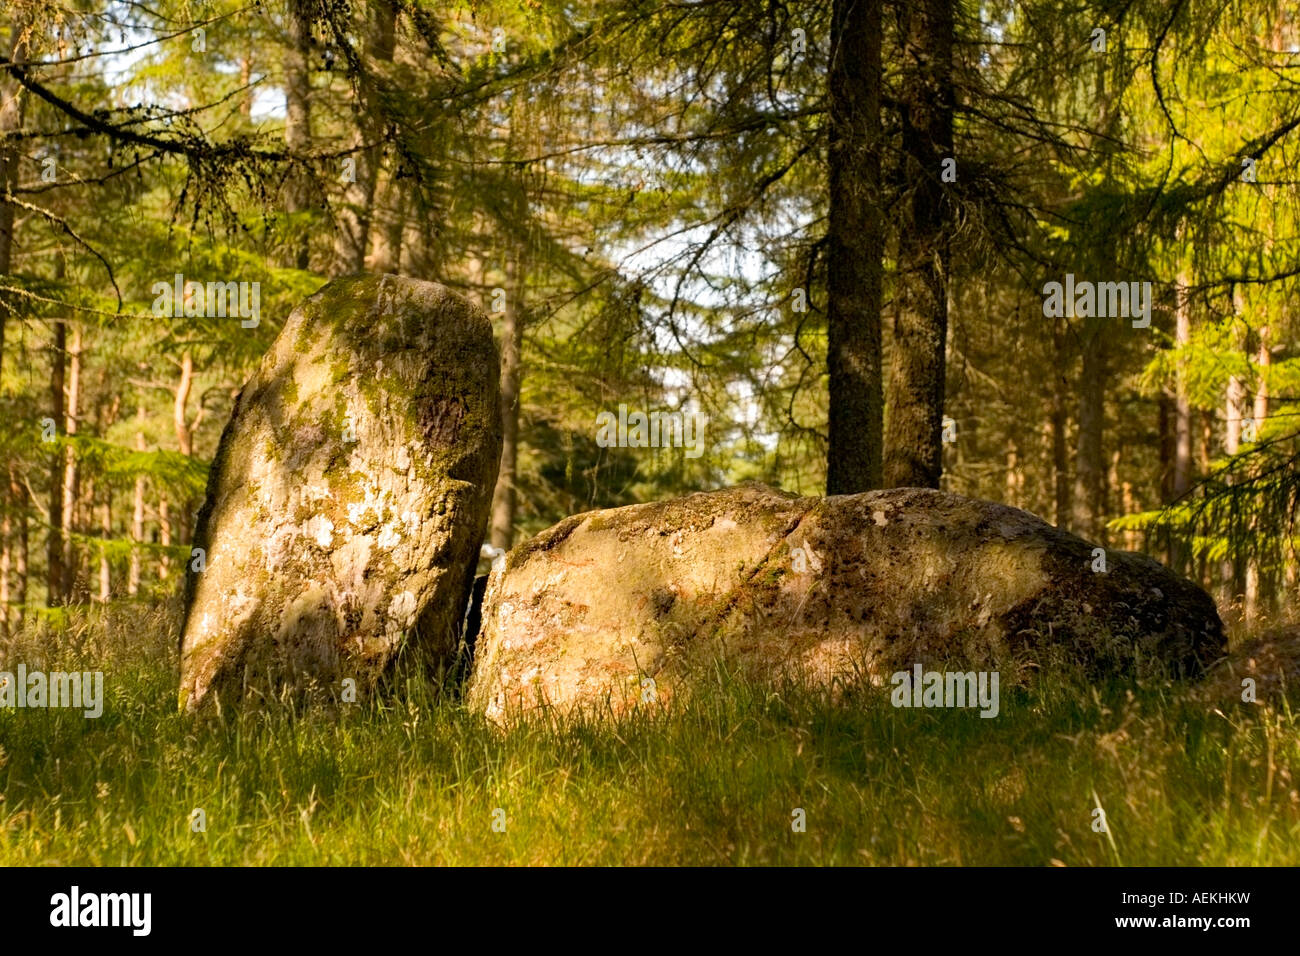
{"x":417,"y":780}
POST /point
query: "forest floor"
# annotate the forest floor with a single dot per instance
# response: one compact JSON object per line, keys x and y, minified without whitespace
{"x":1183,"y":778}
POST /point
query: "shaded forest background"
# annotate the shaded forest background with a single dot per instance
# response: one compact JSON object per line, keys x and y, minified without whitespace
{"x":734,"y":208}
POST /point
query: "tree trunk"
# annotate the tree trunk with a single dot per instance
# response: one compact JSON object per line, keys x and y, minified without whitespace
{"x":297,"y":125}
{"x":1060,"y":424}
{"x":18,"y":496}
{"x":855,"y":250}
{"x":1014,"y":478}
{"x":55,"y":544}
{"x":164,"y":537}
{"x":11,"y":121}
{"x":71,"y":469}
{"x":137,"y":516}
{"x":387,"y":253}
{"x":1231,"y":570}
{"x":106,"y":529}
{"x":913,"y":440}
{"x":1258,"y":591}
{"x":352,"y":236}
{"x":1132,"y":540}
{"x":1089,"y":461}
{"x":512,"y":336}
{"x":1182,"y":403}
{"x":180,"y":415}
{"x":6,"y":558}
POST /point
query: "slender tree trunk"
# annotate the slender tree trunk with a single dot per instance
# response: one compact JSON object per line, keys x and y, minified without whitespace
{"x":1257,"y":583}
{"x":1164,"y":427}
{"x":1231,"y":570}
{"x":245,"y":79}
{"x":1060,"y":425}
{"x":386,"y":256}
{"x":297,"y":124}
{"x":6,"y":558}
{"x":1182,"y":404}
{"x":512,"y":336}
{"x":137,"y":515}
{"x":352,"y":236}
{"x":855,"y":250}
{"x":1180,"y":551}
{"x":11,"y":122}
{"x":55,"y":544}
{"x":71,"y":468}
{"x":1089,"y":460}
{"x":106,"y":530}
{"x":1014,"y":478}
{"x":164,"y":537}
{"x":1132,"y":541}
{"x":18,"y":495}
{"x":913,"y":443}
{"x":180,"y":415}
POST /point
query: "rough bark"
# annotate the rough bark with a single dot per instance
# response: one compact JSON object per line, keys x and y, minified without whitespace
{"x":855,"y":250}
{"x":913,"y":442}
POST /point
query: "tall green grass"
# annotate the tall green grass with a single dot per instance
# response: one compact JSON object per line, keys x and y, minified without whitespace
{"x":1183,"y":780}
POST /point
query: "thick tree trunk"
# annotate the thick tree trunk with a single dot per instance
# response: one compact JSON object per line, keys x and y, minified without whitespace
{"x":855,"y":250}
{"x":913,"y":442}
{"x":55,"y":544}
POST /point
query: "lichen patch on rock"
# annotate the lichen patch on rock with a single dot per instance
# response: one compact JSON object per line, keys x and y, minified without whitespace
{"x":349,"y":494}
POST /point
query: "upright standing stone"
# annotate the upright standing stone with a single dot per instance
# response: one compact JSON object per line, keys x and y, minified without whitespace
{"x":348,"y":497}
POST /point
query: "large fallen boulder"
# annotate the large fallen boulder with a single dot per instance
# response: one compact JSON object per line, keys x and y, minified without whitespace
{"x":613,"y":609}
{"x":348,"y":497}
